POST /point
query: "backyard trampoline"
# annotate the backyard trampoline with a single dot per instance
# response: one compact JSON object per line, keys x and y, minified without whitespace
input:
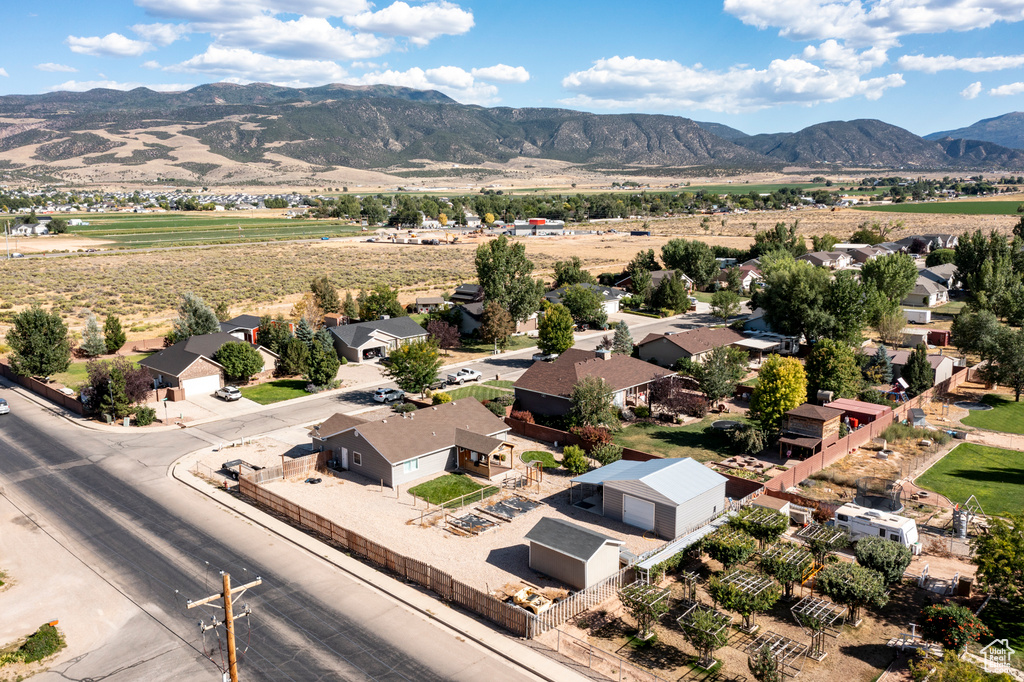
{"x":725,"y":425}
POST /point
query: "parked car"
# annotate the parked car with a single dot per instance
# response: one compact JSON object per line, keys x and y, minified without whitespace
{"x":388,"y":395}
{"x":17,"y":255}
{"x":4,"y":407}
{"x":238,"y":467}
{"x":228,"y":393}
{"x":463,"y":375}
{"x":324,"y":239}
{"x":544,"y":357}
{"x":437,"y":385}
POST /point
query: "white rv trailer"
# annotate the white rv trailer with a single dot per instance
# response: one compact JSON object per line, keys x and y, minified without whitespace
{"x":862,"y":522}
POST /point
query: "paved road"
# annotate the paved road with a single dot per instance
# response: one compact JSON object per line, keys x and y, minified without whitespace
{"x":108,"y":500}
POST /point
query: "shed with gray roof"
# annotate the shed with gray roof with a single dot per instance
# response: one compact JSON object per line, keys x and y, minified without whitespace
{"x":668,"y":496}
{"x":577,"y":556}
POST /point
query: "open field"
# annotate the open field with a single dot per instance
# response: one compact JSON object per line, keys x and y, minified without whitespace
{"x":964,"y":207}
{"x":993,"y":475}
{"x":1006,"y":416}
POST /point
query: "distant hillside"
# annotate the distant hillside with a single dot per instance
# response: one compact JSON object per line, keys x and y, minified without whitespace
{"x":1006,"y":130}
{"x":722,"y":130}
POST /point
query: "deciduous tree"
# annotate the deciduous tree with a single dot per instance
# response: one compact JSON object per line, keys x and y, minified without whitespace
{"x":574,"y":460}
{"x":40,"y":343}
{"x":788,"y":566}
{"x":569,"y":272}
{"x":414,"y":365}
{"x":781,"y":386}
{"x":503,"y":270}
{"x":725,"y":304}
{"x":693,"y":258}
{"x":730,"y":548}
{"x":496,"y":325}
{"x":115,"y":386}
{"x":380,"y":301}
{"x":999,"y":556}
{"x":888,"y":557}
{"x":585,"y":305}
{"x":554,"y":331}
{"x":832,"y":366}
{"x":273,"y":334}
{"x":637,"y":601}
{"x":1009,"y":360}
{"x":445,"y":335}
{"x":793,"y":297}
{"x":888,"y":280}
{"x":890,"y":326}
{"x":239,"y":359}
{"x":743,"y":601}
{"x":953,"y":626}
{"x":591,"y":404}
{"x":724,"y":367}
{"x":853,"y":586}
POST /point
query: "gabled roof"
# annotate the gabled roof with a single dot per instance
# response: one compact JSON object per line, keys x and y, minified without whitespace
{"x":900,"y":357}
{"x":926,"y":287}
{"x":399,"y":438}
{"x":569,"y":539}
{"x":476,"y":442}
{"x":809,"y":411}
{"x":745,"y":271}
{"x":337,"y":423}
{"x":248,"y":322}
{"x":468,"y":293}
{"x":175,"y":359}
{"x":355,"y":335}
{"x":429,"y":300}
{"x":939,"y":273}
{"x":606,"y":293}
{"x":700,"y":340}
{"x":679,"y":479}
{"x":474,"y":310}
{"x":558,"y":378}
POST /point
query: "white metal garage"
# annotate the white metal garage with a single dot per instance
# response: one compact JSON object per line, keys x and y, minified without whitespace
{"x":201,"y":385}
{"x":637,"y":512}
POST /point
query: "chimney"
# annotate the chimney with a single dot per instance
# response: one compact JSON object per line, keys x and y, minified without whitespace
{"x":603,"y":354}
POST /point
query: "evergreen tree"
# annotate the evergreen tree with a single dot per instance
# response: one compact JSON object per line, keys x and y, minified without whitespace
{"x":642,"y":284}
{"x":273,"y":334}
{"x":879,"y":369}
{"x":671,"y":295}
{"x":350,"y":308}
{"x":294,"y":358}
{"x":325,"y":294}
{"x":622,"y":342}
{"x":113,"y":334}
{"x":195,"y":318}
{"x":918,"y":372}
{"x":92,"y":341}
{"x":222,"y":312}
{"x":325,"y":338}
{"x":304,"y":332}
{"x":323,"y":365}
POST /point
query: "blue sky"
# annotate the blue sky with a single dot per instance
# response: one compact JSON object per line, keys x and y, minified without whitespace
{"x":757,"y":65}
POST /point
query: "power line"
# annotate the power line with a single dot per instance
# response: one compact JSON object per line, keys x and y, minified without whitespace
{"x":229,"y":617}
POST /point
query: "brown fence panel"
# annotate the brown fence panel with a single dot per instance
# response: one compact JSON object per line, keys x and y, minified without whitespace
{"x":441,"y":583}
{"x":417,"y":571}
{"x":357,"y":543}
{"x":339,"y":535}
{"x":377,"y":553}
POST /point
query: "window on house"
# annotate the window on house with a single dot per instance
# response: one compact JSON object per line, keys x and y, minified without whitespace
{"x":411,"y":466}
{"x":357,"y":459}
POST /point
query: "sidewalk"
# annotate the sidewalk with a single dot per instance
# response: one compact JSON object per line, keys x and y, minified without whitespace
{"x":410,"y":597}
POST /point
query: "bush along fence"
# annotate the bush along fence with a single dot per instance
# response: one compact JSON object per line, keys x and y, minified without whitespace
{"x":512,"y":618}
{"x":68,"y":402}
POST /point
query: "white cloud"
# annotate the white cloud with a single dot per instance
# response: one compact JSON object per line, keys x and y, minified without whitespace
{"x":502,"y":73}
{"x":305,"y":37}
{"x":151,"y":64}
{"x":971,"y":91}
{"x":621,"y":82}
{"x":942,"y":62}
{"x":451,"y":80}
{"x":161,"y":34}
{"x":245,"y":66}
{"x":226,"y":11}
{"x":1008,"y":89}
{"x":51,"y":67}
{"x":838,"y":56}
{"x":3,"y":72}
{"x":420,"y":23}
{"x":110,"y":45}
{"x":82,"y":86}
{"x":872,"y":22}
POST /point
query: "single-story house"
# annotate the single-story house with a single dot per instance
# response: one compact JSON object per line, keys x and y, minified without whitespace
{"x":189,"y":364}
{"x":665,"y":349}
{"x":657,"y":276}
{"x":833,"y":260}
{"x":944,"y":274}
{"x":808,"y":428}
{"x":927,"y":293}
{"x":243,"y":327}
{"x":942,"y":364}
{"x":610,"y":296}
{"x":473,"y":315}
{"x":402,"y":449}
{"x":862,"y":254}
{"x":931,"y":241}
{"x":428,"y":304}
{"x":367,"y":341}
{"x":671,"y":496}
{"x":467,"y":293}
{"x":750,"y":276}
{"x":577,"y":556}
{"x":546,"y":386}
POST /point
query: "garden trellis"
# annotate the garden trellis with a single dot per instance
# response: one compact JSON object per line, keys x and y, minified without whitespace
{"x":819,"y":618}
{"x":705,"y":628}
{"x":789,"y":654}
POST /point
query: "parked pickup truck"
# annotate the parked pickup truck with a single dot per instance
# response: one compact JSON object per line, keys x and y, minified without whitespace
{"x":238,"y":467}
{"x":463,"y":375}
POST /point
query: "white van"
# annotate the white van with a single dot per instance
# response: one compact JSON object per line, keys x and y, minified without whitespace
{"x":861,"y":522}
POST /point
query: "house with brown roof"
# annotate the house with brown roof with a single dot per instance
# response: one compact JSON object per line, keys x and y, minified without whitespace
{"x":546,"y":386}
{"x":833,"y":260}
{"x":405,"y":448}
{"x":666,"y":349}
{"x":807,"y":429}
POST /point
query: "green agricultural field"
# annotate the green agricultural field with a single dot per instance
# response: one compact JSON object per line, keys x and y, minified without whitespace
{"x":993,"y":475}
{"x":180,"y":229}
{"x":741,"y":188}
{"x":950,"y":208}
{"x":1006,"y":416}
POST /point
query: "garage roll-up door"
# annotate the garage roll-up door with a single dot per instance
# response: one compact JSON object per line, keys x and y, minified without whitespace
{"x":637,"y":512}
{"x":201,"y":385}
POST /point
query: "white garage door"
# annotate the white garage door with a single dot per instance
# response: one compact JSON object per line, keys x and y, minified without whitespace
{"x":201,"y":385}
{"x":637,"y":512}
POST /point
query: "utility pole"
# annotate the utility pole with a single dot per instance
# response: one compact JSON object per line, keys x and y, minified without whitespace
{"x":229,"y":617}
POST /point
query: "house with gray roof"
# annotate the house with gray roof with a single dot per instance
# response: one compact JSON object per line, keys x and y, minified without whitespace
{"x":610,"y":296}
{"x":926,"y":293}
{"x":243,"y":327}
{"x":189,"y":364}
{"x":668,"y":496}
{"x":402,"y":449}
{"x":370,"y":341}
{"x":577,"y":556}
{"x":944,"y":274}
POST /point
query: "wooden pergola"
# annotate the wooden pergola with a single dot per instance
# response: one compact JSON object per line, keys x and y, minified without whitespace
{"x":817,"y":531}
{"x":789,"y":654}
{"x":819,"y":618}
{"x":791,"y":555}
{"x":720,"y":621}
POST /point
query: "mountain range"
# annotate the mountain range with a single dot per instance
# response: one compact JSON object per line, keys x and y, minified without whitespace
{"x":261,"y":132}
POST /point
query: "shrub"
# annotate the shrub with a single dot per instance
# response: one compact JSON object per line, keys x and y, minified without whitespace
{"x":952,"y":626}
{"x":748,"y":439}
{"x":642,"y":412}
{"x":496,"y":408}
{"x":575,"y":460}
{"x":144,"y":415}
{"x":592,"y":436}
{"x":606,"y":453}
{"x":440,"y":399}
{"x":523,"y":416}
{"x":402,"y":408}
{"x":44,"y":642}
{"x":504,"y":400}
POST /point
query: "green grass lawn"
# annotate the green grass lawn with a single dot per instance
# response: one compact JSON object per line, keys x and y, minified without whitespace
{"x":481,"y":393}
{"x":514,"y":343}
{"x":695,"y":440}
{"x":1005,"y":623}
{"x":539,"y":455}
{"x":994,"y":475}
{"x":76,"y":374}
{"x":450,"y":487}
{"x":500,"y":383}
{"x":275,"y":391}
{"x":951,"y":308}
{"x":950,"y":207}
{"x":1007,"y":415}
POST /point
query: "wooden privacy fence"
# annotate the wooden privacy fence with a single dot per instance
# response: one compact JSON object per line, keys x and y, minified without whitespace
{"x":514,"y":619}
{"x":68,"y":402}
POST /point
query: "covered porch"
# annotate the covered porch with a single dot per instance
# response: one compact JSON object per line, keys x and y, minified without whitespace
{"x":757,"y":348}
{"x":482,"y":455}
{"x":792,"y":445}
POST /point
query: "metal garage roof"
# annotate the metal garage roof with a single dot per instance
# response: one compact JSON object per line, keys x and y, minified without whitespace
{"x":679,"y":479}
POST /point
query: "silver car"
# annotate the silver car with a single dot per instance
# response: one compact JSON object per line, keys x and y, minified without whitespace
{"x":4,"y":407}
{"x":229,"y":393}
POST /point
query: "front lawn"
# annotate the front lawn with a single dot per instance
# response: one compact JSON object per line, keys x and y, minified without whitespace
{"x":275,"y":391}
{"x":993,"y":475}
{"x":694,"y":440}
{"x":471,"y":345}
{"x":500,"y":383}
{"x":546,"y":458}
{"x":951,"y":308}
{"x":481,"y":393}
{"x":1006,"y":416}
{"x":451,"y":487}
{"x":76,"y":375}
